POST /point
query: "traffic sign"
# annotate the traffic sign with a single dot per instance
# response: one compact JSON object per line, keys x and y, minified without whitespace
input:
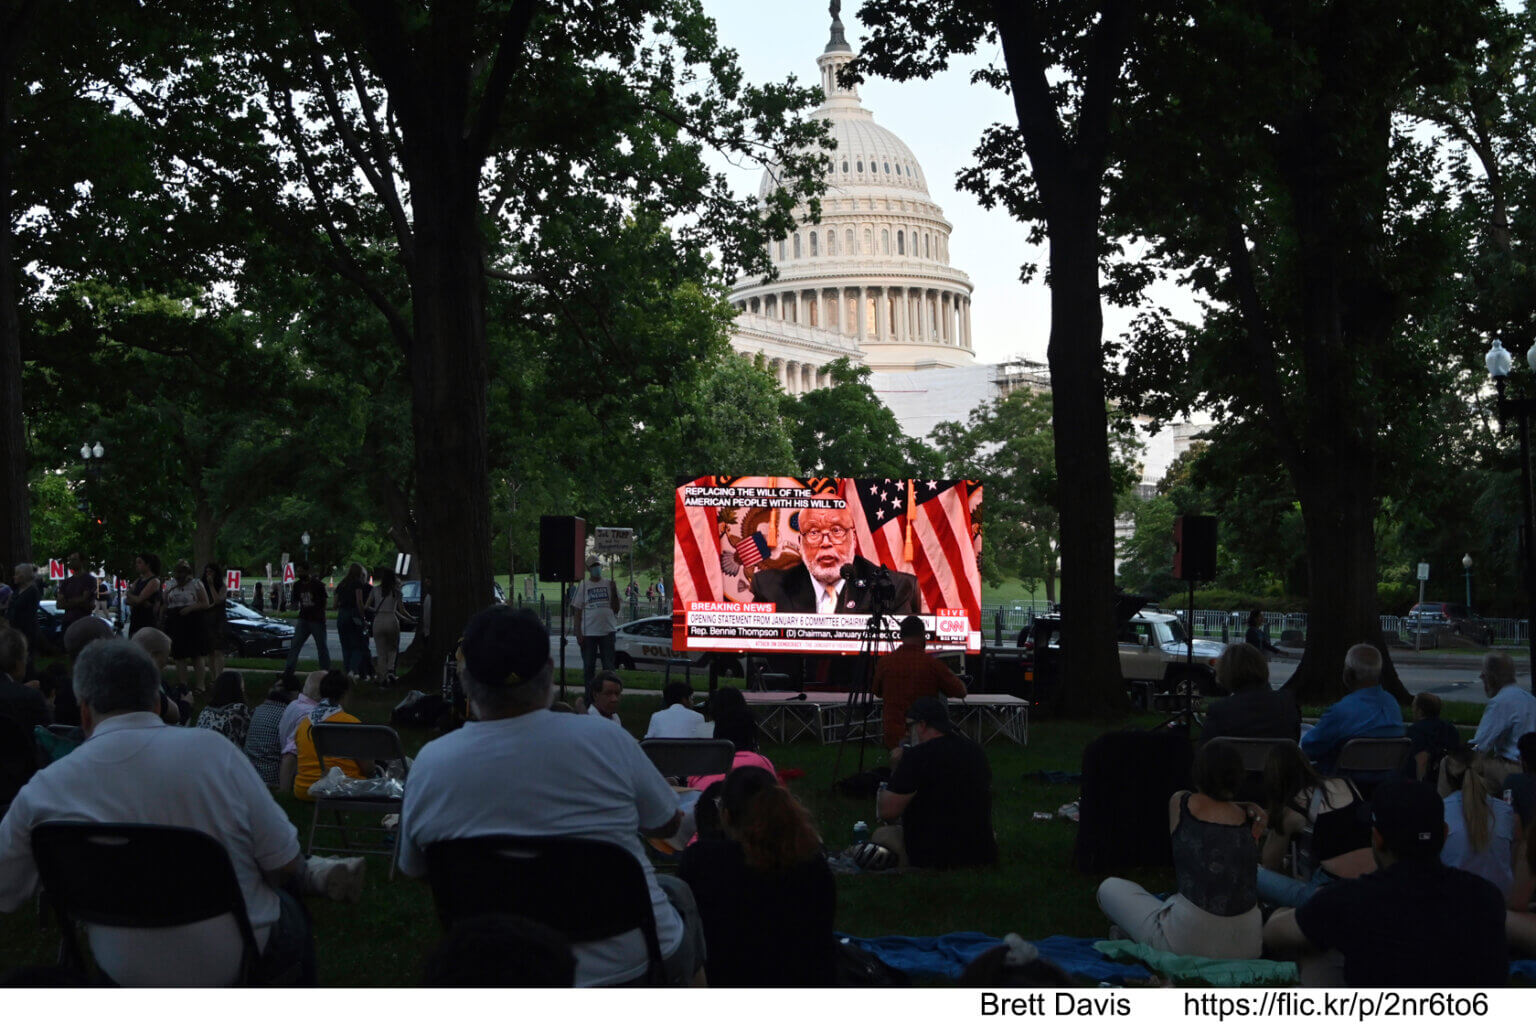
{"x":55,"y":570}
{"x":232,"y":579}
{"x":1423,"y":570}
{"x":288,"y":574}
{"x":613,"y":540}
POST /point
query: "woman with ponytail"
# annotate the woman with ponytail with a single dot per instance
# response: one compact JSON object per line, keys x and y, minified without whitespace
{"x":1481,"y":833}
{"x":765,"y":894}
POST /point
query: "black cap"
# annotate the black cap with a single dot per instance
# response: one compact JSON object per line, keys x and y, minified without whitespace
{"x":1410,"y":817}
{"x":503,"y":647}
{"x":932,"y":712}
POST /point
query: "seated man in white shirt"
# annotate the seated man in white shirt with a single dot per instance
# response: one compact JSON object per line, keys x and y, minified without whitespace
{"x":522,"y":769}
{"x":676,"y":720}
{"x":133,"y":768}
{"x":1510,"y":714}
{"x":603,"y":697}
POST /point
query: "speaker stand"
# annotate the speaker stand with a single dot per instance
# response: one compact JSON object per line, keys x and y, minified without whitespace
{"x":1186,"y":717}
{"x":565,"y":589}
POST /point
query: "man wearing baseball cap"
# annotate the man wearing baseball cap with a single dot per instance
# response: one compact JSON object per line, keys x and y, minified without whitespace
{"x":518,"y":768}
{"x":941,"y":793}
{"x":1412,"y":922}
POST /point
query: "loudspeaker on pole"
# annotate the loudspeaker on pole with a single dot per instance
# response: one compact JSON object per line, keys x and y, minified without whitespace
{"x":562,"y":541}
{"x":1194,"y":548}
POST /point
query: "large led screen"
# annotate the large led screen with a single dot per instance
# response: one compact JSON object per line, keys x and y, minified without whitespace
{"x":784,"y":565}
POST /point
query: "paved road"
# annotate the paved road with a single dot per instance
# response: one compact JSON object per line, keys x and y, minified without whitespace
{"x":1457,"y":682}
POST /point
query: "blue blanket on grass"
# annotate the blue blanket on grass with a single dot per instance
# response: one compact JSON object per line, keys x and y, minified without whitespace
{"x":947,"y":956}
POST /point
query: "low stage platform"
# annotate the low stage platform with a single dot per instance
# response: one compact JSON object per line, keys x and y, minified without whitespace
{"x":786,"y":715}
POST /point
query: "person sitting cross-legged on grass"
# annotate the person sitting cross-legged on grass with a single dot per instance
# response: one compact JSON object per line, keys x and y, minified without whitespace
{"x":333,"y":692}
{"x":765,"y":893}
{"x":519,"y":769}
{"x":226,"y":712}
{"x":1411,"y":923}
{"x":1215,"y":913}
{"x":938,"y":805}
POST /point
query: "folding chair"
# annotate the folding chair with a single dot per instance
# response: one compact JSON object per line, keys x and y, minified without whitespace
{"x":531,"y":876}
{"x":356,"y":742}
{"x":1369,"y":762}
{"x":1255,"y":750}
{"x":110,"y":875}
{"x":681,"y":758}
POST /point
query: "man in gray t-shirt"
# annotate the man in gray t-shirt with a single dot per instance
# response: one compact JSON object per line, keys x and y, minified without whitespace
{"x":596,"y":604}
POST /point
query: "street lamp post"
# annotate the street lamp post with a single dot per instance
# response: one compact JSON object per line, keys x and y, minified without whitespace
{"x":92,"y":454}
{"x":1466,"y":564}
{"x":305,"y":538}
{"x":1499,"y":363}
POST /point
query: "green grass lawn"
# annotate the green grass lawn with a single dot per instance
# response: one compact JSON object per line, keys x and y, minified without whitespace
{"x":1034,"y":891}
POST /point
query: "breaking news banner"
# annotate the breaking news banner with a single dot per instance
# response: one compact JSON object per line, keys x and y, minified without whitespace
{"x":798,"y":565}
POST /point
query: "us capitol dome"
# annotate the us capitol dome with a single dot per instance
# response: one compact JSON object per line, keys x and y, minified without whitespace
{"x":871,"y":281}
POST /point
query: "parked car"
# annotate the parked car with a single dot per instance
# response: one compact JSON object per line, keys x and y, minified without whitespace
{"x":1153,"y":647}
{"x":253,"y":635}
{"x":410,"y":597}
{"x":50,"y":628}
{"x":647,"y":643}
{"x":1429,"y":620}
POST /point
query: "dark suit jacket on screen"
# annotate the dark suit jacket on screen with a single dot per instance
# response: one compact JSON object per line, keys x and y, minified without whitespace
{"x":793,"y":590}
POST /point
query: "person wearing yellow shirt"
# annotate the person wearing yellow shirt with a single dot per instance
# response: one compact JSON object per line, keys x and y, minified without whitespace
{"x":333,"y":692}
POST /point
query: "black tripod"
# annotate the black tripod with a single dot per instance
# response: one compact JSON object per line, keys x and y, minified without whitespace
{"x":861,"y":700}
{"x":1185,"y":716}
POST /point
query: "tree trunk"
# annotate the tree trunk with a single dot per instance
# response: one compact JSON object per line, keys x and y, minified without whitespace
{"x":1338,"y":509}
{"x":15,"y":505}
{"x":448,"y":394}
{"x":1091,"y":680}
{"x":1338,"y":202}
{"x":205,"y":534}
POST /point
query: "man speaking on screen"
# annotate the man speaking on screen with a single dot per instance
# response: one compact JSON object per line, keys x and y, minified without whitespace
{"x":831,"y":580}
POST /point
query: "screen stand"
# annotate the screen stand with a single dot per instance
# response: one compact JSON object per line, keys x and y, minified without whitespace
{"x":860,"y":699}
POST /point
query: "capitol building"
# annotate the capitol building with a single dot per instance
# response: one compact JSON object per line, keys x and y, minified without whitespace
{"x":871,"y":281}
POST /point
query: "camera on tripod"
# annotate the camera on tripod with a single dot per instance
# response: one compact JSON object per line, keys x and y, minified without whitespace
{"x":871,"y":576}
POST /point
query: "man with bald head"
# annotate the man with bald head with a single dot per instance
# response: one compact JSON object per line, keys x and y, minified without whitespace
{"x":1366,"y":710}
{"x":827,"y":543}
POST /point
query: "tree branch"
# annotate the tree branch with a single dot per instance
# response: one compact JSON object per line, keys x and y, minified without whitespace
{"x":344,"y":263}
{"x":379,"y":174}
{"x":1261,"y":347}
{"x":377,"y":135}
{"x":509,"y":59}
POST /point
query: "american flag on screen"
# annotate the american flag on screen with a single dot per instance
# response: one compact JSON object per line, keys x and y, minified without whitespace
{"x":752,"y":549}
{"x":925,"y":527}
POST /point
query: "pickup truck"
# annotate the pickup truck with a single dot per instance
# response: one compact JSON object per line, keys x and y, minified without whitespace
{"x":1152,"y":645}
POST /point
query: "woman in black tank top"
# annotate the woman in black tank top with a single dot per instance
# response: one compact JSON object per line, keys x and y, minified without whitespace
{"x":1340,"y":843}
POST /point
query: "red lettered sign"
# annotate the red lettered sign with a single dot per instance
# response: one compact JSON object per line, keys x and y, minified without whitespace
{"x":232,"y":579}
{"x":288,"y":575}
{"x":55,"y":569}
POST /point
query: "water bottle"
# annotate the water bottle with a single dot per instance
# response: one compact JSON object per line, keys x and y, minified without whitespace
{"x":860,"y":832}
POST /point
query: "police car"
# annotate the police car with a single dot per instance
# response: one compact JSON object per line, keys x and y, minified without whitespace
{"x":647,"y":644}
